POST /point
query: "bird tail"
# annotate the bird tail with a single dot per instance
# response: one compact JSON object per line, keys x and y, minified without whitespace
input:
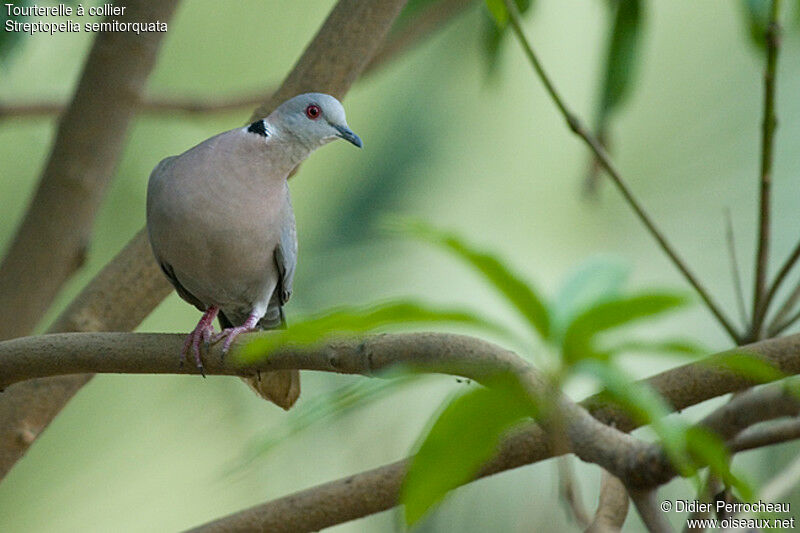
{"x":281,"y":387}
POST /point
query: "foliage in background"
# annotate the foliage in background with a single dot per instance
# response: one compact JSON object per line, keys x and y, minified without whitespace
{"x":349,"y":321}
{"x":495,"y":27}
{"x":9,"y":40}
{"x":573,"y":328}
{"x":477,"y":420}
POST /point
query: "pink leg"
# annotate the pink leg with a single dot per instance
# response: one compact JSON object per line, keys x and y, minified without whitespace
{"x":201,"y":333}
{"x":230,"y":334}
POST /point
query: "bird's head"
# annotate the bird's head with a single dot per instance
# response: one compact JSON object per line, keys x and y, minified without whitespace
{"x":314,"y":119}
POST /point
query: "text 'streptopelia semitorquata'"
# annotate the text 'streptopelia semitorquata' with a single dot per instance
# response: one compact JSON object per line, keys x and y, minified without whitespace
{"x":222,"y":229}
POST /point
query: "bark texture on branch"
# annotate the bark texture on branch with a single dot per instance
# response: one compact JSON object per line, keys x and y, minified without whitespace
{"x":329,"y":64}
{"x":340,"y":51}
{"x":147,"y":353}
{"x":377,"y":490}
{"x":52,"y":241}
{"x":118,"y":298}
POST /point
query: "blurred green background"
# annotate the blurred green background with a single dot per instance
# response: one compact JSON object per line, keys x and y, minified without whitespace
{"x":477,"y":150}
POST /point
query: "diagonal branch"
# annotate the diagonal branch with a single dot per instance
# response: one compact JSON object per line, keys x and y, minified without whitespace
{"x":131,"y":286}
{"x":581,"y":131}
{"x":431,"y":19}
{"x":792,"y":299}
{"x":779,"y":327}
{"x":51,"y":243}
{"x":735,"y":275}
{"x":760,"y":302}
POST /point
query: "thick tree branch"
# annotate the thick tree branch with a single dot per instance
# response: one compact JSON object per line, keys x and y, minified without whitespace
{"x":339,"y":52}
{"x":145,"y":353}
{"x":131,"y":286}
{"x":69,"y":353}
{"x":760,"y":302}
{"x":751,"y":407}
{"x":376,"y":490}
{"x":118,"y":298}
{"x":51,"y":243}
{"x":600,"y":152}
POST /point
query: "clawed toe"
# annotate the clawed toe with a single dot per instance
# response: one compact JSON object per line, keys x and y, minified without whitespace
{"x":202,"y":334}
{"x":230,"y":335}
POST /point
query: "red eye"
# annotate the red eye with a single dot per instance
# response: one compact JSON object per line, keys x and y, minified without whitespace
{"x":313,"y":112}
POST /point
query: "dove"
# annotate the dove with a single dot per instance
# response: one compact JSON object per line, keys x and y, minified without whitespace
{"x":222,"y":229}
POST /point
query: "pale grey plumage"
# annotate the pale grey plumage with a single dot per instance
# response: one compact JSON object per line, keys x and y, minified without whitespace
{"x":221,"y":225}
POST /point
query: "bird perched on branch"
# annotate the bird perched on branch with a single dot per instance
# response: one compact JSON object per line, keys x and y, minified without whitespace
{"x":221,"y":225}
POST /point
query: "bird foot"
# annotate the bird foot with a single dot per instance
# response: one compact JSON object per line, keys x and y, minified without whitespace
{"x":202,"y":333}
{"x":230,"y":334}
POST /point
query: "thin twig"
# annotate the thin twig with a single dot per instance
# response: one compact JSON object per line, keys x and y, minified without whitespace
{"x":760,"y":303}
{"x":612,"y":506}
{"x":777,"y":329}
{"x":570,"y":491}
{"x":735,"y":273}
{"x":766,"y":434}
{"x":646,"y":502}
{"x":793,"y":297}
{"x":580,"y":130}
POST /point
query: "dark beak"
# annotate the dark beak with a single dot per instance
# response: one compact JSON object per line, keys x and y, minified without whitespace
{"x":348,"y":135}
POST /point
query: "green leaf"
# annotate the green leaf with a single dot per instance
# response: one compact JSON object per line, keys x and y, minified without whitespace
{"x":675,"y":346}
{"x":8,"y":39}
{"x":521,"y":295}
{"x":494,"y":32}
{"x":756,"y":17}
{"x":709,"y":449}
{"x":621,"y":60}
{"x":465,"y":435}
{"x":412,"y":13}
{"x":498,"y":11}
{"x":354,"y":321}
{"x":797,"y":13}
{"x":592,"y":282}
{"x":747,"y":365}
{"x":579,"y":340}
